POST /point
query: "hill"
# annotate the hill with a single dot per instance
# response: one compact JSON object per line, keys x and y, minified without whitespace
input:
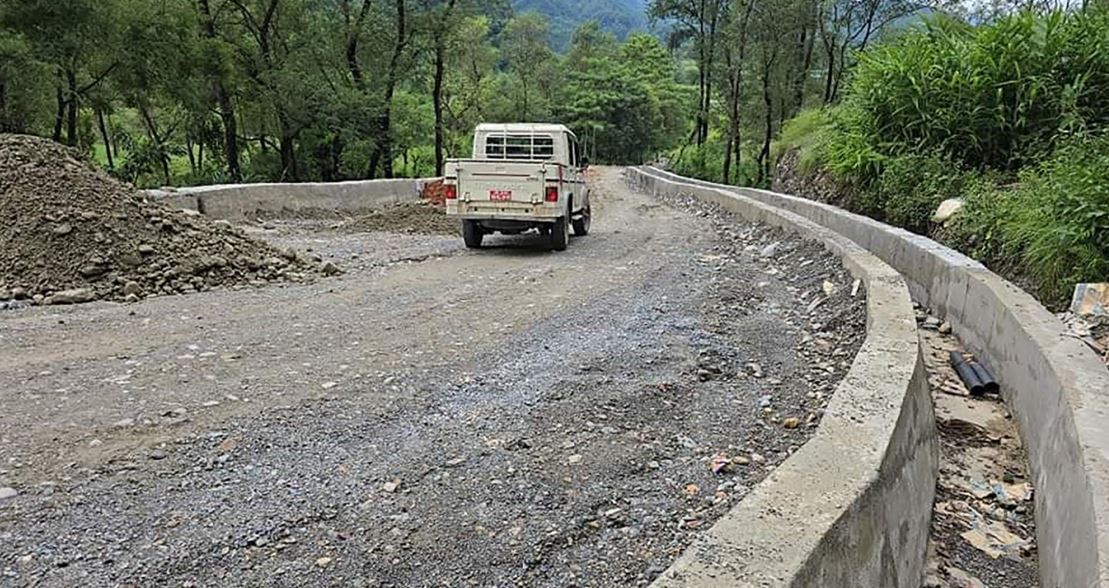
{"x":619,"y":16}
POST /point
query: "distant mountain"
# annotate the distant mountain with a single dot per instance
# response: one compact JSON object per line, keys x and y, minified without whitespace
{"x":619,"y":16}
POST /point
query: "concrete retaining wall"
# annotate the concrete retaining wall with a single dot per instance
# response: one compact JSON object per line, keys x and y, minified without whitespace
{"x":243,"y":201}
{"x":852,"y":507}
{"x":1054,"y":385}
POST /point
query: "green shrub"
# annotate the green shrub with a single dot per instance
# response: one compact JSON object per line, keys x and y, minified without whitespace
{"x":995,"y":96}
{"x":1059,"y":218}
{"x":911,"y":187}
{"x":806,"y":133}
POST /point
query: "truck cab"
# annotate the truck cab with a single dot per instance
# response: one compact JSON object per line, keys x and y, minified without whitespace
{"x":521,"y":177}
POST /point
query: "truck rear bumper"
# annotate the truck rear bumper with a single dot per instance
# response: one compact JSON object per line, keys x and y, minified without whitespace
{"x":506,"y":211}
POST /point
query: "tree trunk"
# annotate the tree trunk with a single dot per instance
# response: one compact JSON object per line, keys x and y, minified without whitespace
{"x":437,"y":89}
{"x":437,"y":102}
{"x":764,"y":154}
{"x":829,"y":79}
{"x":71,"y":126}
{"x":223,"y":99}
{"x":190,"y":154}
{"x":104,"y":136}
{"x":59,"y":115}
{"x":115,"y":144}
{"x":289,"y":171}
{"x":383,"y":152}
{"x":152,"y":131}
{"x":4,"y":103}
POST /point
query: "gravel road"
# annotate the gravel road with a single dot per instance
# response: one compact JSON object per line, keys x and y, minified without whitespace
{"x":434,"y":417}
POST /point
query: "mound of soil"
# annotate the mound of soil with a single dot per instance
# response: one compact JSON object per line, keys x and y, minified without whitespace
{"x":408,"y":217}
{"x":73,"y":234}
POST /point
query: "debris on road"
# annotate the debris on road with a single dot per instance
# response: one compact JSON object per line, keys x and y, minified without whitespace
{"x":73,"y":234}
{"x":406,"y":217}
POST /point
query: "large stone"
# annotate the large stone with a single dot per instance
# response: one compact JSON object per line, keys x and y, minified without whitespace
{"x":75,"y":296}
{"x":948,"y":209}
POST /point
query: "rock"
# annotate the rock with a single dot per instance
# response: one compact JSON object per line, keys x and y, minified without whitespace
{"x":8,"y":493}
{"x":829,"y":288}
{"x":948,"y":209}
{"x":323,"y":562}
{"x":19,"y":293}
{"x":945,"y":328}
{"x":75,"y":296}
{"x":158,"y":455}
{"x":769,"y":250}
{"x":63,"y":229}
{"x":146,"y":249}
{"x":574,"y":459}
{"x":124,"y":423}
{"x":132,"y":289}
{"x":932,"y":323}
{"x":391,"y":486}
{"x":330,"y":269}
{"x":92,"y":271}
{"x":791,"y":423}
{"x":5,"y":295}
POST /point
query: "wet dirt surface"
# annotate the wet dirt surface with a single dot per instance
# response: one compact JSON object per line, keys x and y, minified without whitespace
{"x":434,"y":417}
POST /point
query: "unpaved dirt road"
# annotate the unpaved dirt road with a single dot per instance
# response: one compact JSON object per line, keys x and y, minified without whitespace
{"x":435,"y":417}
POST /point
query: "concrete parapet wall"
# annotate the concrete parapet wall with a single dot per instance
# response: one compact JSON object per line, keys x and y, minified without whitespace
{"x":242,"y":201}
{"x":853,"y":506}
{"x":1055,"y":387}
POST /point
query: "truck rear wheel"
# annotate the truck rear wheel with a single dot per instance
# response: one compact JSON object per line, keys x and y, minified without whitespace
{"x":581,"y":224}
{"x":472,"y":234}
{"x":560,"y":234}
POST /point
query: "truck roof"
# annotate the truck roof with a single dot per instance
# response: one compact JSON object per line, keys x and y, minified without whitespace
{"x":523,"y":128}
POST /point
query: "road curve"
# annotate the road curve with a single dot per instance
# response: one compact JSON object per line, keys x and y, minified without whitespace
{"x":435,"y":417}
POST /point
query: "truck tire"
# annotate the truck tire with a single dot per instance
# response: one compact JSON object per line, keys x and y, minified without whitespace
{"x":581,"y":224}
{"x":472,"y":234}
{"x":560,"y":234}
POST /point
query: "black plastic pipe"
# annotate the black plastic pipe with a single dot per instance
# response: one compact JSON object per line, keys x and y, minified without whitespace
{"x":988,"y":383}
{"x":967,"y":374}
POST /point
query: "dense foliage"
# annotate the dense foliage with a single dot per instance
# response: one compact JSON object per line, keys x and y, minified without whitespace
{"x":1011,"y":115}
{"x":202,"y":91}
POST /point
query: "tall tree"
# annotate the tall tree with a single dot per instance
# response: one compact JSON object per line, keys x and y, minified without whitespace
{"x":215,"y":65}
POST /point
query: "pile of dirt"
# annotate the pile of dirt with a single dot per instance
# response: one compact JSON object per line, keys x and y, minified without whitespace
{"x":408,"y":217}
{"x":73,"y":234}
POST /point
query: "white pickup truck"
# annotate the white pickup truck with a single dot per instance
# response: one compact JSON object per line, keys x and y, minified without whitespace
{"x":522,"y":177}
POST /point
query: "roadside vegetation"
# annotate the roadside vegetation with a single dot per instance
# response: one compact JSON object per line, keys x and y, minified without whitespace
{"x":1012,"y":117}
{"x":206,"y":91}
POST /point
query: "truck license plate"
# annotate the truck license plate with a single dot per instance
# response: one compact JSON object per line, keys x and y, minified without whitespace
{"x":500,"y":195}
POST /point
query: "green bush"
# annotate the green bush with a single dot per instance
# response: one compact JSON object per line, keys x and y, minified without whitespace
{"x":995,"y":96}
{"x":910,"y":189}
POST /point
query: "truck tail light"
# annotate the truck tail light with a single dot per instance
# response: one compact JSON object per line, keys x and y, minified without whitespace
{"x":450,"y":191}
{"x":552,"y":193}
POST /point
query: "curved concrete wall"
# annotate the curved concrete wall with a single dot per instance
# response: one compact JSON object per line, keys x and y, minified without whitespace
{"x":241,"y":201}
{"x":853,"y":506}
{"x":1055,"y":387}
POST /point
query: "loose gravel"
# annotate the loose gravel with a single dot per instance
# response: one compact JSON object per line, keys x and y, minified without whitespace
{"x":492,"y":418}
